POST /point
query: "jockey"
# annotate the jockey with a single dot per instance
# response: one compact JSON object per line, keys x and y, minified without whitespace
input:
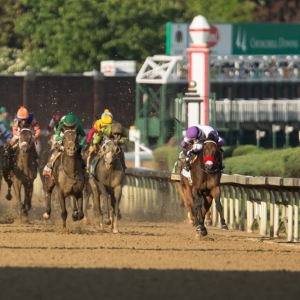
{"x":106,"y":119}
{"x":54,"y":123}
{"x":99,"y":125}
{"x":200,"y":134}
{"x":24,"y":119}
{"x":4,"y":118}
{"x":68,"y":122}
{"x":116,"y":132}
{"x":5,"y":136}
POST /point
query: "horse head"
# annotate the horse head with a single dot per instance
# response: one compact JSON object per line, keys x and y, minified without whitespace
{"x":25,"y":140}
{"x":70,"y":142}
{"x":111,"y":153}
{"x":210,"y":155}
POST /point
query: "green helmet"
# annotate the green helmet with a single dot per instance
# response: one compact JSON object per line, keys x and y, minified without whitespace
{"x":2,"y":109}
{"x":70,"y":120}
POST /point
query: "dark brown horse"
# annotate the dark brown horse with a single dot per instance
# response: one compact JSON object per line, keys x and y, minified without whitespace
{"x":108,"y":181}
{"x":67,"y":176}
{"x":206,"y":176}
{"x":21,"y":170}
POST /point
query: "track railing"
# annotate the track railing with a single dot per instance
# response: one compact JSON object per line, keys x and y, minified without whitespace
{"x":271,"y":203}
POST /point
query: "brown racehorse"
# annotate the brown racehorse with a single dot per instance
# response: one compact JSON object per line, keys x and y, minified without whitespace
{"x":21,"y":170}
{"x":67,"y":176}
{"x":108,"y":181}
{"x":206,"y":176}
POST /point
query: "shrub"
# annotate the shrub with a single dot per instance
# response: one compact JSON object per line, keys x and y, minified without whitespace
{"x":165,"y":157}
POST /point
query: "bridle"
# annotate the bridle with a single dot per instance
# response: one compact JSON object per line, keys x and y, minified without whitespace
{"x":211,"y":159}
{"x":110,"y":154}
{"x":24,"y":143}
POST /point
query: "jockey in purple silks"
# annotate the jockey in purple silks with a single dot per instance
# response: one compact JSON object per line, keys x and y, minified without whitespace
{"x":200,"y":134}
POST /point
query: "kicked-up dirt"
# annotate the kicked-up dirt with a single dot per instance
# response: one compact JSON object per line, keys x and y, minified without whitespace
{"x":149,"y":259}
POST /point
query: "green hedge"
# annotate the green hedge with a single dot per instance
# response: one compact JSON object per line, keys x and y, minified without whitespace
{"x":260,"y":162}
{"x":243,"y":160}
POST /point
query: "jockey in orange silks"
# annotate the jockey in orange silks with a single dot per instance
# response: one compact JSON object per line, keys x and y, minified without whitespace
{"x":24,"y":119}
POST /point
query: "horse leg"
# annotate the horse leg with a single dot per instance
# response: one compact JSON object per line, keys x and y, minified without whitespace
{"x":96,"y":200}
{"x":75,"y":209}
{"x":7,"y":178}
{"x":105,"y":207}
{"x":199,"y":218}
{"x":216,"y":194}
{"x":64,"y":212}
{"x":115,"y":200}
{"x":182,"y":190}
{"x":80,"y":214}
{"x":28,"y":195}
{"x":17,"y":188}
{"x":49,"y":185}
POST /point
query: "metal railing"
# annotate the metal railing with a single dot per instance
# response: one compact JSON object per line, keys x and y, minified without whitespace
{"x":242,"y":110}
{"x":270,"y":202}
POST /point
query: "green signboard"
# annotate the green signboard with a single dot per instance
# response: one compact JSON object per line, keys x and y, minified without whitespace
{"x":238,"y":39}
{"x":265,"y":39}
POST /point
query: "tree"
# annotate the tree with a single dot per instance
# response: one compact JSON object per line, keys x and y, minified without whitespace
{"x":229,"y":11}
{"x":277,"y":11}
{"x":10,"y":10}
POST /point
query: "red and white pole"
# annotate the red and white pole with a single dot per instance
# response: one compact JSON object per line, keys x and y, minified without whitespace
{"x":198,"y":58}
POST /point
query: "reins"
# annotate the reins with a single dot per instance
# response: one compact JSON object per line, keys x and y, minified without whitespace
{"x":209,"y":158}
{"x":25,"y":143}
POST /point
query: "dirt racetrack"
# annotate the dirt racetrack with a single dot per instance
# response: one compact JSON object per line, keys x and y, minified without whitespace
{"x":147,"y":260}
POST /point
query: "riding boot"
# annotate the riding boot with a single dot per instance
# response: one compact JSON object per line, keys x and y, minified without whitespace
{"x":49,"y":165}
{"x":188,"y":161}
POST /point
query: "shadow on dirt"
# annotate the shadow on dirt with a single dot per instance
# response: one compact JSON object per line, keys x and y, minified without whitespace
{"x":48,"y":283}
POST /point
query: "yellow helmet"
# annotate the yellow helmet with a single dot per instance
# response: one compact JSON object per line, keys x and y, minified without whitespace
{"x":106,"y":120}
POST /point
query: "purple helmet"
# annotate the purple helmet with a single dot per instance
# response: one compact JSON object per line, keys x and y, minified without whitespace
{"x":192,"y":132}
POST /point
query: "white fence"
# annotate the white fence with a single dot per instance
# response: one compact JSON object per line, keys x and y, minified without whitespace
{"x":269,"y":202}
{"x":241,"y":110}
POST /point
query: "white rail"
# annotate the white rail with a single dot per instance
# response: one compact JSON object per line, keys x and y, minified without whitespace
{"x":269,"y":202}
{"x":242,"y":110}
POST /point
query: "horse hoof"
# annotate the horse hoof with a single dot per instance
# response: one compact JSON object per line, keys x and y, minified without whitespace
{"x":198,"y":228}
{"x":203,"y":233}
{"x":8,"y":197}
{"x":115,"y":231}
{"x":46,"y":216}
{"x":74,"y":217}
{"x":107,"y":222}
{"x":24,"y":213}
{"x":224,"y":227}
{"x":208,"y":223}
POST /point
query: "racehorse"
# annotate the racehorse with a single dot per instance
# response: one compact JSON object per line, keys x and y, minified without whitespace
{"x":206,"y":177}
{"x":108,"y":181}
{"x":67,"y":176}
{"x":21,"y":169}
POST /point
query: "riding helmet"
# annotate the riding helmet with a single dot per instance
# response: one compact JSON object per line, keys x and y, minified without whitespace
{"x":192,"y":132}
{"x":106,"y":112}
{"x":57,"y":117}
{"x":106,"y":120}
{"x":22,"y":113}
{"x":70,"y":120}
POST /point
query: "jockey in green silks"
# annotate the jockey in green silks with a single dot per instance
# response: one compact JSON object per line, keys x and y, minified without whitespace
{"x":68,"y":122}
